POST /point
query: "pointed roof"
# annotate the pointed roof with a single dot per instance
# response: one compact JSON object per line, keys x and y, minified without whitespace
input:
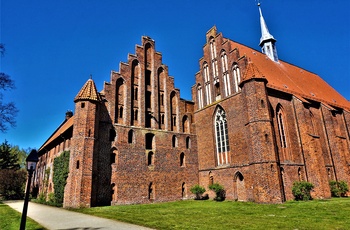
{"x":265,"y":34}
{"x":252,"y":72}
{"x":88,"y":92}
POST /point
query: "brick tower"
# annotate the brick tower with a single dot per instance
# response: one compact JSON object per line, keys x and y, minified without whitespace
{"x":81,"y":178}
{"x":263,"y":161}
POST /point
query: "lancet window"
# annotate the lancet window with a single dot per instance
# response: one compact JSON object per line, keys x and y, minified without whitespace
{"x":226,"y":74}
{"x":207,"y":83}
{"x":236,"y":78}
{"x":221,"y":136}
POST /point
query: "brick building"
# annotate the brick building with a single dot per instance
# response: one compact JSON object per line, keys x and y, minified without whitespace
{"x":255,"y":125}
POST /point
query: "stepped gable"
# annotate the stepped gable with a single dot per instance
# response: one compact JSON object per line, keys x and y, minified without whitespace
{"x":88,"y":92}
{"x":294,"y":80}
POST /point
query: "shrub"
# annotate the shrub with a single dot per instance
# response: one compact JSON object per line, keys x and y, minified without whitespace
{"x":41,"y":199}
{"x":343,"y":187}
{"x":198,"y":191}
{"x":51,"y":198}
{"x":339,"y":188}
{"x":219,"y":191}
{"x":301,"y":190}
{"x":12,"y":184}
{"x":334,"y":188}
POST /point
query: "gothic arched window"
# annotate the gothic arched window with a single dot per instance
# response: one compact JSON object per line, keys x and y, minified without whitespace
{"x":225,"y":72}
{"x":236,"y":78}
{"x":281,"y":127}
{"x":207,"y":83}
{"x":200,"y":96}
{"x":221,"y":135}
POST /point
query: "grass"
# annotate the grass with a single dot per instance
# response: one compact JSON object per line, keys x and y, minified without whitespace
{"x":11,"y":219}
{"x":316,"y":214}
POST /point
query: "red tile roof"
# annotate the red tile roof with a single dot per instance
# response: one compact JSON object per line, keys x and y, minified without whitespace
{"x":88,"y":92}
{"x":292,"y":79}
{"x":252,"y":72}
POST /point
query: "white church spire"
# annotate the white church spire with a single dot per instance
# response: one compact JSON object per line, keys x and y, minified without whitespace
{"x":267,"y":41}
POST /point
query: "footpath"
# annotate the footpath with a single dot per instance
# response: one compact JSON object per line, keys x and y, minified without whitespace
{"x":62,"y":219}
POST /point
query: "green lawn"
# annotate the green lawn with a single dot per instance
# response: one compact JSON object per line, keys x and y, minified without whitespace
{"x":316,"y":214}
{"x":11,"y":219}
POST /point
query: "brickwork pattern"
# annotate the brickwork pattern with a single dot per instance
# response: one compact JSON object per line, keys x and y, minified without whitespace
{"x":137,"y":141}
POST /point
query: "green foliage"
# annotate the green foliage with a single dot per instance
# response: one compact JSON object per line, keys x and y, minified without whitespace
{"x":60,"y":174}
{"x":51,"y":200}
{"x":339,"y":188}
{"x":46,"y":177}
{"x":8,"y":159}
{"x":343,"y":187}
{"x":21,"y":154}
{"x":198,"y":191}
{"x":41,"y":198}
{"x":219,"y":191}
{"x":12,"y":183}
{"x":301,"y":190}
{"x":12,"y":177}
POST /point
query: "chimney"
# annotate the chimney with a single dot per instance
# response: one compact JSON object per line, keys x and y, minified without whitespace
{"x":69,"y":114}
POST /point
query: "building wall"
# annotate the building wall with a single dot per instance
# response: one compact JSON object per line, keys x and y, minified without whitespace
{"x":142,"y":143}
{"x":315,"y":147}
{"x":43,"y":177}
{"x":81,"y":188}
{"x":142,"y":148}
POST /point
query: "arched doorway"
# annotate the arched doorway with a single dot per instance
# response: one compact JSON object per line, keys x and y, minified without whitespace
{"x":240,"y":193}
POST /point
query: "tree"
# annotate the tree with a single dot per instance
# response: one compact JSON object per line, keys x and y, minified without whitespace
{"x":12,"y":183}
{"x":8,"y":111}
{"x":8,"y":159}
{"x":12,"y":176}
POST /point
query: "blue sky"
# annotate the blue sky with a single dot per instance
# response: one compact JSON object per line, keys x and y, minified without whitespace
{"x":52,"y":47}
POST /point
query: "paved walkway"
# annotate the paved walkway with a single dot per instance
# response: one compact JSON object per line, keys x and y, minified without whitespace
{"x":59,"y":218}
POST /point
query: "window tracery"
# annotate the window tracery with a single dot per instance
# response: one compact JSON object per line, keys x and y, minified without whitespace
{"x":221,"y":135}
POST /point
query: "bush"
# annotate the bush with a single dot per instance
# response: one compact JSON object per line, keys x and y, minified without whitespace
{"x":41,"y":199}
{"x":51,"y":199}
{"x":334,"y":188}
{"x":339,"y":188}
{"x":219,"y":191}
{"x":12,"y":184}
{"x":198,"y":191}
{"x":343,"y":187}
{"x":301,"y":190}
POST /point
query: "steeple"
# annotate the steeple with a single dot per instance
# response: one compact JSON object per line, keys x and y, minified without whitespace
{"x":267,"y":41}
